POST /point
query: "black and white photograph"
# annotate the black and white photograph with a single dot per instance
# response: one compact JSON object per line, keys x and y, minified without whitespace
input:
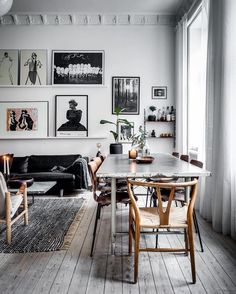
{"x":24,"y":119}
{"x":78,"y":67}
{"x":159,"y":92}
{"x":9,"y":60}
{"x":71,"y":115}
{"x":126,"y":132}
{"x":126,"y":94}
{"x":33,"y":67}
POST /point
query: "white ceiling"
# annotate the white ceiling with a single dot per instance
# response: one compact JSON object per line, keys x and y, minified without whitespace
{"x":98,"y":6}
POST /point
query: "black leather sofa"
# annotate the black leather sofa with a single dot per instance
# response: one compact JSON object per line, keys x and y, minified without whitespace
{"x":66,"y":170}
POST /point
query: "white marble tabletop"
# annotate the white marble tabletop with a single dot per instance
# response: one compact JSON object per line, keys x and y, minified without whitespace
{"x":164,"y":165}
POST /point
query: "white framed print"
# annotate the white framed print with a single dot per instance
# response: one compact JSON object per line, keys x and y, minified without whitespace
{"x":125,"y":132}
{"x":33,"y":67}
{"x":24,"y":119}
{"x":9,"y":61}
{"x":71,"y":116}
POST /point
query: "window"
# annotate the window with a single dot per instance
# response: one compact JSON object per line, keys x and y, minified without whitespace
{"x":196,"y":98}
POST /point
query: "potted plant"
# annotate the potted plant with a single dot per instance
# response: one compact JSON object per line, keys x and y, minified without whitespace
{"x":116,"y":148}
{"x":152,"y":116}
{"x":139,"y":141}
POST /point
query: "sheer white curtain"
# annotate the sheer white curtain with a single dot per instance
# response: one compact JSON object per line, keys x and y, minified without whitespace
{"x":181,"y":88}
{"x":218,"y":202}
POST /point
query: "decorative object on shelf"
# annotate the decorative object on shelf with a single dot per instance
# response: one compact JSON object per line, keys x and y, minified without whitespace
{"x":78,"y":67}
{"x":133,"y":153}
{"x":126,"y":94}
{"x":159,"y":92}
{"x":125,"y":132}
{"x":166,"y":135}
{"x":116,"y":147}
{"x":166,"y":114}
{"x":153,"y":134}
{"x":152,"y":116}
{"x":99,"y":153}
{"x":23,"y":119}
{"x":71,"y":116}
{"x":33,"y":67}
{"x":5,"y":6}
{"x":9,"y":60}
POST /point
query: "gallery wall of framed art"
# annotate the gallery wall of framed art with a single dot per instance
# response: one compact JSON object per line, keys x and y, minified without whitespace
{"x":120,"y":58}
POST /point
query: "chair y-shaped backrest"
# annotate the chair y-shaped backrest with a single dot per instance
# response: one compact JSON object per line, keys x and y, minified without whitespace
{"x":164,"y":212}
{"x":184,"y":157}
{"x":92,"y":166}
{"x":3,"y":190}
{"x":98,"y":161}
{"x":175,"y":154}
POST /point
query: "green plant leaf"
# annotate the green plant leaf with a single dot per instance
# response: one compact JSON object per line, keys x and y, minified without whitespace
{"x":118,"y":110}
{"x":103,"y":121}
{"x":115,"y":135}
{"x":125,"y":121}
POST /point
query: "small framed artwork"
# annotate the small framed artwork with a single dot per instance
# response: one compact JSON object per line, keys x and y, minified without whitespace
{"x":71,"y":116}
{"x":24,"y":119}
{"x":78,"y":67}
{"x":125,"y":132}
{"x":126,"y":94}
{"x":159,"y":92}
{"x":33,"y":67}
{"x":9,"y":60}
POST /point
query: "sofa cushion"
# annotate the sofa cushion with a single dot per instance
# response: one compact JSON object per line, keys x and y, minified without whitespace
{"x":20,"y":165}
{"x":50,"y":176}
{"x":44,"y":163}
{"x":2,"y":161}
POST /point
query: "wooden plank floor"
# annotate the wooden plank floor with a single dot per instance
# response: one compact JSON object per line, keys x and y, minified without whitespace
{"x":73,"y":271}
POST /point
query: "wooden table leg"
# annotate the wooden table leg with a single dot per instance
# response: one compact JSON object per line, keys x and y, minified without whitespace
{"x":113,"y":215}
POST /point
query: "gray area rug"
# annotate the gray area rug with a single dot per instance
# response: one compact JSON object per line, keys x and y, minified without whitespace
{"x":52,"y":225}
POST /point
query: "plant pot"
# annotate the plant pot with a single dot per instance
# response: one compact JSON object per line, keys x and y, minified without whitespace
{"x":151,"y":117}
{"x":116,"y":148}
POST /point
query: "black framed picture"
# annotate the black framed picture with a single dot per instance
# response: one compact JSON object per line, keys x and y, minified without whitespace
{"x":71,"y":116}
{"x":77,"y":67}
{"x":126,"y":94}
{"x":159,"y":92}
{"x":125,"y":132}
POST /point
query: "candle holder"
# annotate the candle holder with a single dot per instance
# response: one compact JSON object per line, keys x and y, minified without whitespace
{"x":133,"y":154}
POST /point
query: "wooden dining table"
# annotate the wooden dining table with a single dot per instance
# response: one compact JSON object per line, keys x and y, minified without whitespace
{"x":118,"y":166}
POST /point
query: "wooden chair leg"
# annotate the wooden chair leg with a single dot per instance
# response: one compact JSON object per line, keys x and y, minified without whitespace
{"x":192,"y":256}
{"x":136,"y":255}
{"x":197,"y":229}
{"x":130,"y":234}
{"x":95,"y":228}
{"x":8,"y":233}
{"x":186,"y":242}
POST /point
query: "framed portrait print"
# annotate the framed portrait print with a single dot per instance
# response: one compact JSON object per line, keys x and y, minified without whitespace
{"x":125,"y":132}
{"x":159,"y":92}
{"x":33,"y":67}
{"x":126,"y":94}
{"x":24,"y":119}
{"x":71,"y":116}
{"x":77,"y":67}
{"x":9,"y":60}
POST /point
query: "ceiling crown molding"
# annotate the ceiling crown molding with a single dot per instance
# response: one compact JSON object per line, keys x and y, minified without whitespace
{"x":87,"y":19}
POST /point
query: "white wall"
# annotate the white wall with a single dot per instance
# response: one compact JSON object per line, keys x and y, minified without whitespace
{"x":145,"y":51}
